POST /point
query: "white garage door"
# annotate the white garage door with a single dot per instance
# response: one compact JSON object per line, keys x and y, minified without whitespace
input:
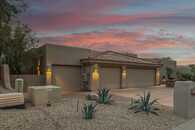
{"x":110,"y":78}
{"x":69,"y":78}
{"x":140,"y":77}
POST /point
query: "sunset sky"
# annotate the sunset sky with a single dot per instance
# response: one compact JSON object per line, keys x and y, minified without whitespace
{"x":149,"y":28}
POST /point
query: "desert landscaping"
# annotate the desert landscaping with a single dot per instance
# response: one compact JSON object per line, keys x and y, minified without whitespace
{"x":65,"y":116}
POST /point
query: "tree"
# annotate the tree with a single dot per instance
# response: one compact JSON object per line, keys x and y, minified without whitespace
{"x":192,"y":66}
{"x":16,"y":39}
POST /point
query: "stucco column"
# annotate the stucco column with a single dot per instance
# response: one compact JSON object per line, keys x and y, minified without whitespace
{"x":123,"y":77}
{"x":94,"y":77}
{"x":157,"y":77}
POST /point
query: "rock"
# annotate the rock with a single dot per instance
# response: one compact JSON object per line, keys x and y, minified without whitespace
{"x":92,"y":96}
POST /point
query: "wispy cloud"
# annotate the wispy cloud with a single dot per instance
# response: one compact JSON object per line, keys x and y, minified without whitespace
{"x":135,"y":40}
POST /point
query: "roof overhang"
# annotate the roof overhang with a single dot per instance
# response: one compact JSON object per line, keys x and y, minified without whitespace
{"x":119,"y":63}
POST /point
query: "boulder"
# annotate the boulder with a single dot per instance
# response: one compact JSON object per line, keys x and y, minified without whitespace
{"x":92,"y":96}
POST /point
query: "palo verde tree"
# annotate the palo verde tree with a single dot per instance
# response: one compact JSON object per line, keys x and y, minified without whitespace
{"x":15,"y":38}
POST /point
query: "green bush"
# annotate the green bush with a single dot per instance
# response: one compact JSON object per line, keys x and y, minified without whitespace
{"x":144,"y":105}
{"x":187,"y":76}
{"x":169,"y":72}
{"x":89,"y":110}
{"x":103,"y":96}
{"x":179,"y":75}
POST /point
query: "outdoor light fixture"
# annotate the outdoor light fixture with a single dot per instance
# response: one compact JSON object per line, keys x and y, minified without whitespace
{"x":48,"y":68}
{"x":95,"y":72}
{"x":124,"y":70}
{"x":95,"y":68}
{"x":48,"y":75}
{"x":38,"y":66}
{"x":158,"y":72}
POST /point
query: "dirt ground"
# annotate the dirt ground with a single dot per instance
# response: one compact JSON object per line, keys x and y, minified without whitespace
{"x":65,"y":116}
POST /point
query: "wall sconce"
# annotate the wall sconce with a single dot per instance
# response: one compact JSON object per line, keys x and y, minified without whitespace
{"x":95,"y":68}
{"x":158,"y":72}
{"x":124,"y":70}
{"x":48,"y":68}
{"x":95,"y":72}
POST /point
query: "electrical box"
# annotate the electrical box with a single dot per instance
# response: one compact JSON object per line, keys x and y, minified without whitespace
{"x":19,"y":83}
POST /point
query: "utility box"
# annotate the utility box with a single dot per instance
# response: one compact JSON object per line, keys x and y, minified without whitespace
{"x":184,"y":99}
{"x":42,"y":95}
{"x":19,"y":83}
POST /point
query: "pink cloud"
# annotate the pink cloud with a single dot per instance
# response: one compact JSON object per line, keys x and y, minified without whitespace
{"x":121,"y":40}
{"x":77,"y":15}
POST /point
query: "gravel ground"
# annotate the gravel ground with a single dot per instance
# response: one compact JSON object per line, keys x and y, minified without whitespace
{"x":107,"y":117}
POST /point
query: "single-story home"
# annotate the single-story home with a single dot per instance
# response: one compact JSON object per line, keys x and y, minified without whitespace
{"x":76,"y":69}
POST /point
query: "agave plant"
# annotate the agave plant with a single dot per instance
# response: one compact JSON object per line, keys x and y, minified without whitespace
{"x":103,"y":96}
{"x":144,"y":105}
{"x":89,"y":110}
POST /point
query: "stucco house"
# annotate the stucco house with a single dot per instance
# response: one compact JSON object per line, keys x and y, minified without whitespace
{"x":76,"y":69}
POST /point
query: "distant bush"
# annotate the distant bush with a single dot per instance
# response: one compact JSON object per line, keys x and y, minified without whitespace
{"x":169,"y":72}
{"x":103,"y":96}
{"x":89,"y":110}
{"x":179,"y":75}
{"x":187,"y":76}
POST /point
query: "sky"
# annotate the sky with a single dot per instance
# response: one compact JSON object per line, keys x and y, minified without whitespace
{"x":149,"y":28}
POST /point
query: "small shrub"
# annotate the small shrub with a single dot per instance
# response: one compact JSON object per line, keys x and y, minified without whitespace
{"x":169,"y":72}
{"x":179,"y":75}
{"x":89,"y":110}
{"x":144,"y":104}
{"x":187,"y":76}
{"x":103,"y":96}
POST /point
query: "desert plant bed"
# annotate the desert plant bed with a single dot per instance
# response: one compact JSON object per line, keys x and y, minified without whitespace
{"x":65,"y":116}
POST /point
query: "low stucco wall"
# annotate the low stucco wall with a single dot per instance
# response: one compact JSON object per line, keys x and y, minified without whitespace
{"x":5,"y":76}
{"x":184,"y":100}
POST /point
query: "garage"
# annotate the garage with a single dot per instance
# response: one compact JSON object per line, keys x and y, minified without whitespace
{"x":110,"y":78}
{"x":140,"y":77}
{"x":67,"y":77}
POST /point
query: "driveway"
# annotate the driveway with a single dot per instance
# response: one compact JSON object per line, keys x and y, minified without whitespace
{"x":164,"y":94}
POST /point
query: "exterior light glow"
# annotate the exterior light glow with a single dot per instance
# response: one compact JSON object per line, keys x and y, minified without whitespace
{"x":124,"y":71}
{"x":48,"y":68}
{"x":158,"y":72}
{"x":95,"y":72}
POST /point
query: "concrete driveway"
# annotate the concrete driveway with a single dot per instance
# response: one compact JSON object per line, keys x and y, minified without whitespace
{"x":164,"y":94}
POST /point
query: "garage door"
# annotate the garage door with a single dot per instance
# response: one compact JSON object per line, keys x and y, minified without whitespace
{"x":140,"y":77}
{"x":110,"y":78}
{"x":69,"y":78}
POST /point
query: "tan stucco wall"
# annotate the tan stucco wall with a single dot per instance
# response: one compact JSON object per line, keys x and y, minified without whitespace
{"x":184,"y":101}
{"x":65,"y":55}
{"x":166,"y":62}
{"x":184,"y":69}
{"x":88,"y":70}
{"x":61,"y":55}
